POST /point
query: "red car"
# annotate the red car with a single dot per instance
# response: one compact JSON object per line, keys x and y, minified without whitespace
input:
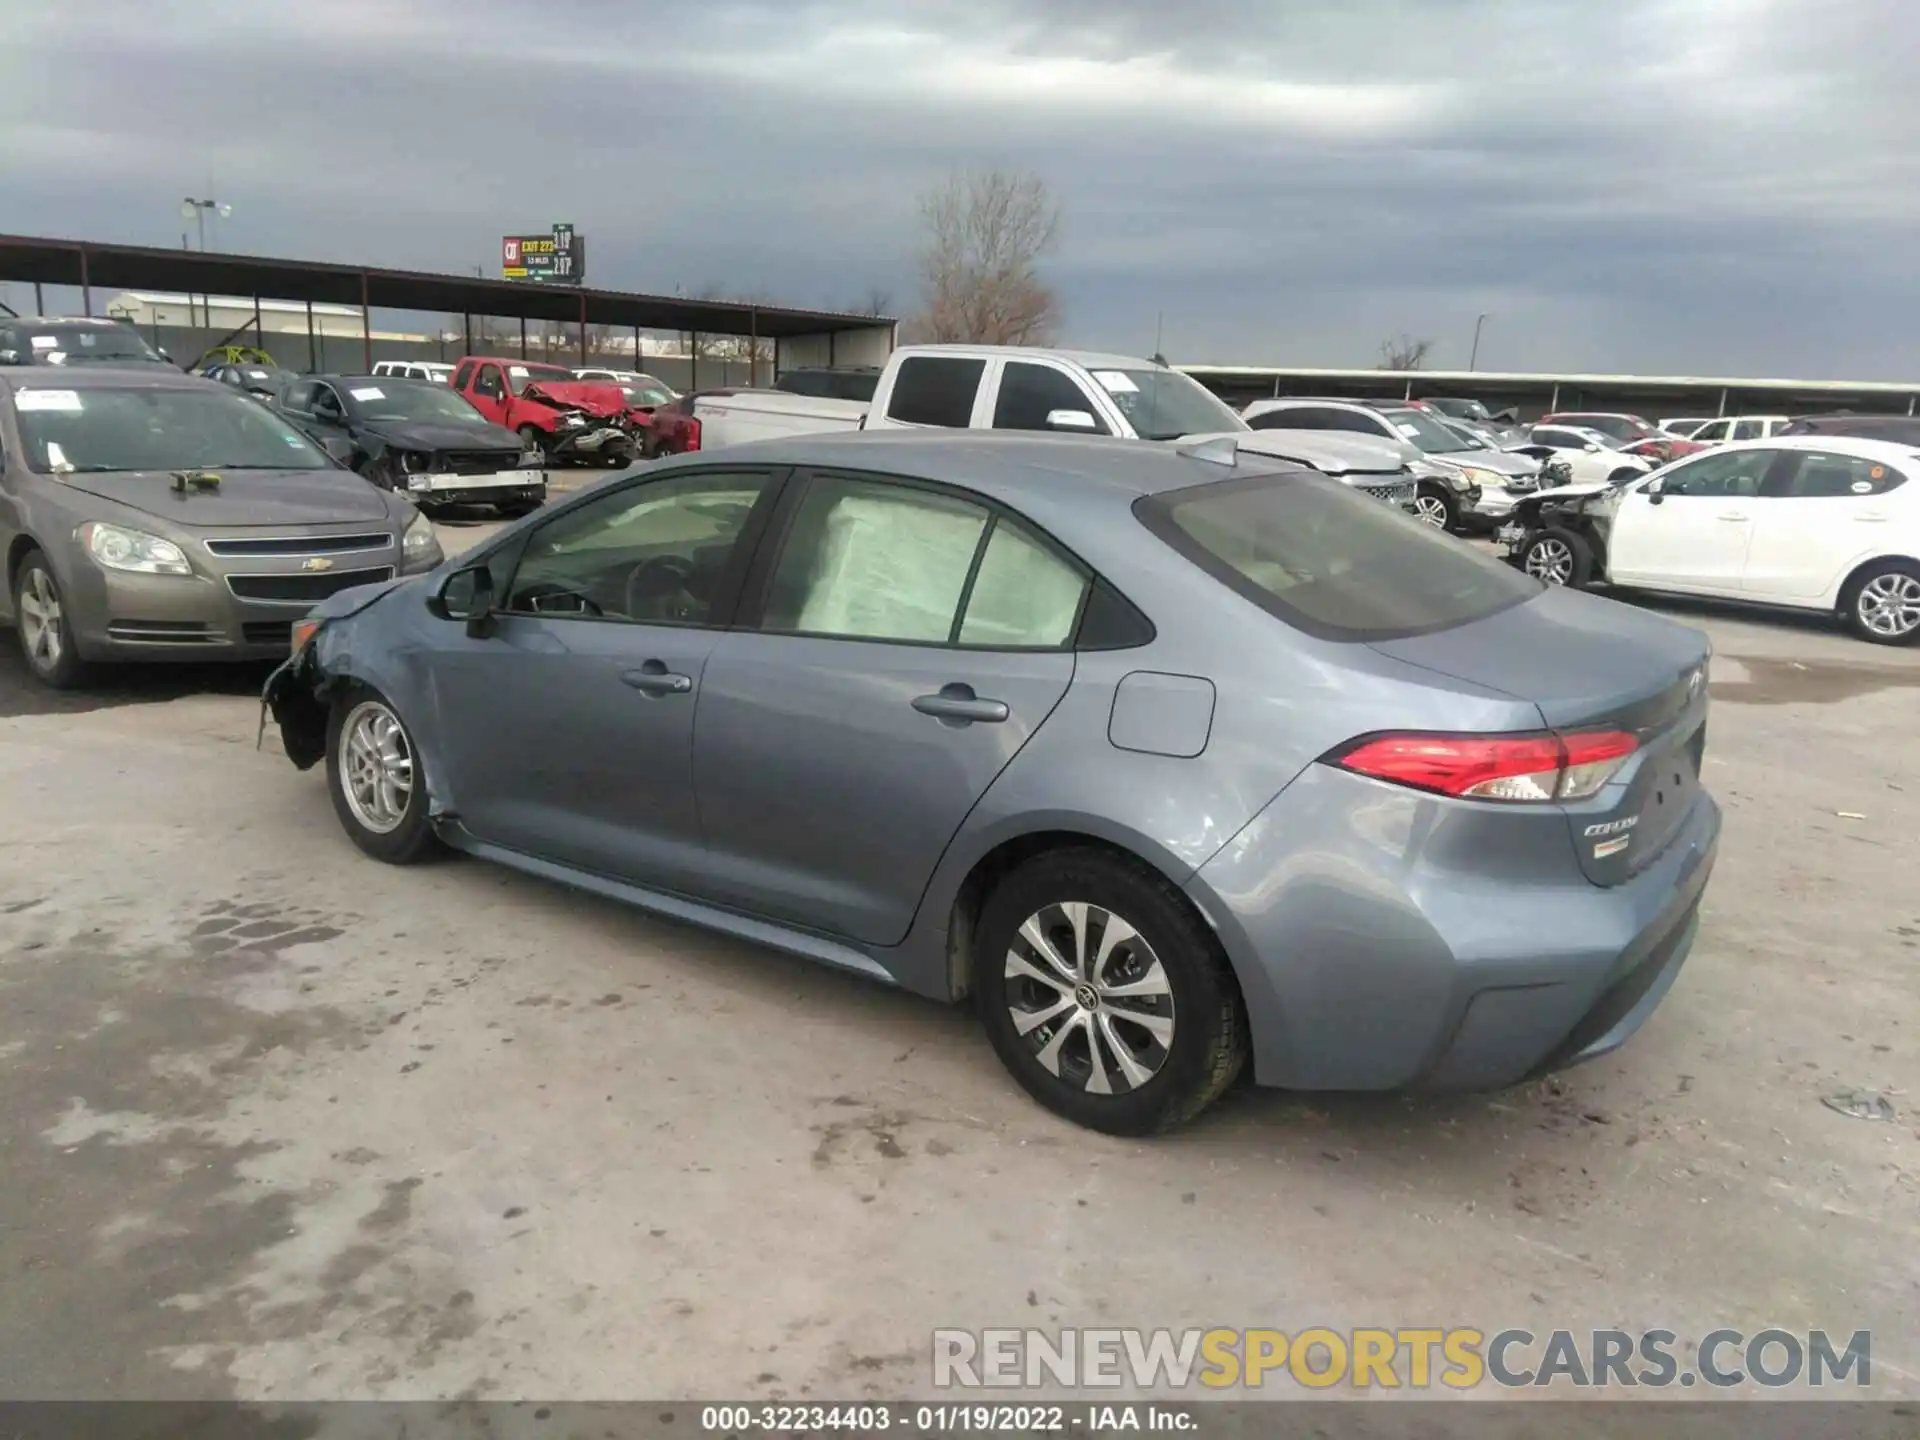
{"x":565,"y":418}
{"x":1635,"y":435}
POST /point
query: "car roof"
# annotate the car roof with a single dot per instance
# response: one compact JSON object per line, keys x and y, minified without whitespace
{"x":62,"y":320}
{"x":1090,"y":359}
{"x":1007,"y":465}
{"x":1891,"y":451}
{"x":103,"y":377}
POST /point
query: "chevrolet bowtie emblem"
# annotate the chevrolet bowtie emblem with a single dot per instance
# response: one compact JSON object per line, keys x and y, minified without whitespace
{"x":318,"y":562}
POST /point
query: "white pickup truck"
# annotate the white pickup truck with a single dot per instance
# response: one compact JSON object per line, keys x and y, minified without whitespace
{"x":985,"y":387}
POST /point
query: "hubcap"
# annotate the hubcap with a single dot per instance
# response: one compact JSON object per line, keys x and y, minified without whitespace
{"x":1550,"y":561}
{"x":376,"y":767}
{"x":40,"y":621}
{"x":1090,"y":998}
{"x":1889,"y":605}
{"x":1432,"y":509}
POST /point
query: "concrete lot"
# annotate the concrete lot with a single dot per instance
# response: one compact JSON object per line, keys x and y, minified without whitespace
{"x":277,"y":1121}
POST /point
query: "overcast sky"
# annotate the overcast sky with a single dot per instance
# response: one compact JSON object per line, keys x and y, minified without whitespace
{"x":1705,"y":186}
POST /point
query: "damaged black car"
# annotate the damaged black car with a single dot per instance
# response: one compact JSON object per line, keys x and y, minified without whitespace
{"x":417,"y":437}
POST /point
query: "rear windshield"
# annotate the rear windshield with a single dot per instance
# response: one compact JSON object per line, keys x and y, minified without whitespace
{"x":1332,"y":561}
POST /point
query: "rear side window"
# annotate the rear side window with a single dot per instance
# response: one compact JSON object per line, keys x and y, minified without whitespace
{"x":1330,"y":561}
{"x":935,"y":390}
{"x":461,"y":376}
{"x":1810,"y":475}
{"x":1293,"y":418}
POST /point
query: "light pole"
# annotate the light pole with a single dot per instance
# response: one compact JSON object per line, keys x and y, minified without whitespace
{"x":196,"y":210}
{"x":1473,"y":360}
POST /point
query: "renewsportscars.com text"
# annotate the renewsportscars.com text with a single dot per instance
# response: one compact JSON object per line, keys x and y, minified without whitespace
{"x":1460,"y":1358}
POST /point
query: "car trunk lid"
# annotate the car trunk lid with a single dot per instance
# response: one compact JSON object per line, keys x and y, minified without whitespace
{"x":1590,"y":664}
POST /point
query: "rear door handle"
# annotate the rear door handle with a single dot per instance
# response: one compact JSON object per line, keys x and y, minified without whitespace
{"x":957,"y":704}
{"x":653,"y":678}
{"x":1737,"y":516}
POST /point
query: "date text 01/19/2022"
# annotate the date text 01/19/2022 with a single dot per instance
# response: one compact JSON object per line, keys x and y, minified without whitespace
{"x":949,"y":1419}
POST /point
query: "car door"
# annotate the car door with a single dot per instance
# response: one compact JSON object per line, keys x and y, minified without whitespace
{"x":570,"y":726}
{"x":489,"y":393}
{"x":1818,"y":516}
{"x":904,"y":643}
{"x":1689,"y":528}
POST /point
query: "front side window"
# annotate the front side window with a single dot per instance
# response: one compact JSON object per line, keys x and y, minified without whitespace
{"x":1029,"y":393}
{"x":461,"y":376}
{"x":102,"y":431}
{"x":489,"y":382}
{"x":935,"y":390}
{"x":1712,"y":431}
{"x":1734,"y":475}
{"x":1330,"y":560}
{"x":656,"y":553}
{"x":1750,"y":430}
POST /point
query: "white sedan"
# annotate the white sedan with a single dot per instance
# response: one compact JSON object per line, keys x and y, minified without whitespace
{"x":1594,"y":458}
{"x":1806,"y":522}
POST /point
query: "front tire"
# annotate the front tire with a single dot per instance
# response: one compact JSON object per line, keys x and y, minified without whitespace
{"x":1434,"y":505}
{"x":1882,"y":603}
{"x":40,"y":619}
{"x":1558,"y":557}
{"x":376,"y":779}
{"x":1105,"y":995}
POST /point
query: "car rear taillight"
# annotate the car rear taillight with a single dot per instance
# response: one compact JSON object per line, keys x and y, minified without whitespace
{"x":1524,"y":768}
{"x":693,"y":433}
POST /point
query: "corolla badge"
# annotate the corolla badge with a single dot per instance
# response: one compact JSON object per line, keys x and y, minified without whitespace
{"x":317,"y":562}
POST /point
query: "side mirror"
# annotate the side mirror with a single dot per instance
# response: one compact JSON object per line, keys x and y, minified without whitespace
{"x":1655,"y":489}
{"x":466,"y":595}
{"x":9,"y":357}
{"x":1072,"y":420}
{"x":340,"y":448}
{"x":1591,"y":448}
{"x":166,"y":356}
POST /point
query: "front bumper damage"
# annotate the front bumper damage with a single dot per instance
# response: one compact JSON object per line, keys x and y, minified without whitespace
{"x":594,"y":440}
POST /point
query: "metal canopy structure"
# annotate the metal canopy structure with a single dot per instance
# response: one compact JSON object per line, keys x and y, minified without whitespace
{"x":88,"y":266}
{"x":1668,"y":394}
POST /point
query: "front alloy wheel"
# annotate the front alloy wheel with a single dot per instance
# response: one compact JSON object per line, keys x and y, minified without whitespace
{"x":1091,"y":999}
{"x":46,"y":635}
{"x":1550,"y":560}
{"x":375,"y":774}
{"x":1432,"y":508}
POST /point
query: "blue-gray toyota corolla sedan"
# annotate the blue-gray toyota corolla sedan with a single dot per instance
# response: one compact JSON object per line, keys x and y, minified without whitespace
{"x":1170,"y":758}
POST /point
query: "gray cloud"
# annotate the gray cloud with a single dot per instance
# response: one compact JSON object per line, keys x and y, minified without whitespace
{"x":1654,"y":185}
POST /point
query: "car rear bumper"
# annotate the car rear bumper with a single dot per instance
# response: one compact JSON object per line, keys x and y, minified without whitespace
{"x":1382,"y":943}
{"x":122,"y":617}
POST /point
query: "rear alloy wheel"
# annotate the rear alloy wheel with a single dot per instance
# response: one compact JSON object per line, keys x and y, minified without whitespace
{"x":1883,"y":603}
{"x":1105,"y":995}
{"x":1434,"y":507}
{"x":46,"y":637}
{"x":376,"y":779}
{"x":1558,"y":557}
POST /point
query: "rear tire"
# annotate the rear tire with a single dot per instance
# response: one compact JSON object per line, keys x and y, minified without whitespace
{"x":376,"y":779}
{"x":1882,"y":603}
{"x":40,"y":620}
{"x":1559,"y":557}
{"x":1158,"y":994}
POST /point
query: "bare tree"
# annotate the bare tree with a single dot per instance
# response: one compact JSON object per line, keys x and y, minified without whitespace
{"x":1406,"y":353}
{"x":986,"y":232}
{"x":877,"y":302}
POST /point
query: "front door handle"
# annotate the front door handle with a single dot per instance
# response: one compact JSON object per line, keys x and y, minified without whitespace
{"x":653,"y":678}
{"x":958,"y":705}
{"x":1871,"y":517}
{"x":1738,"y":517}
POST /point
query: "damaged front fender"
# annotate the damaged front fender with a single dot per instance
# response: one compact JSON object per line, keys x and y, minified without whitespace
{"x":295,"y":695}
